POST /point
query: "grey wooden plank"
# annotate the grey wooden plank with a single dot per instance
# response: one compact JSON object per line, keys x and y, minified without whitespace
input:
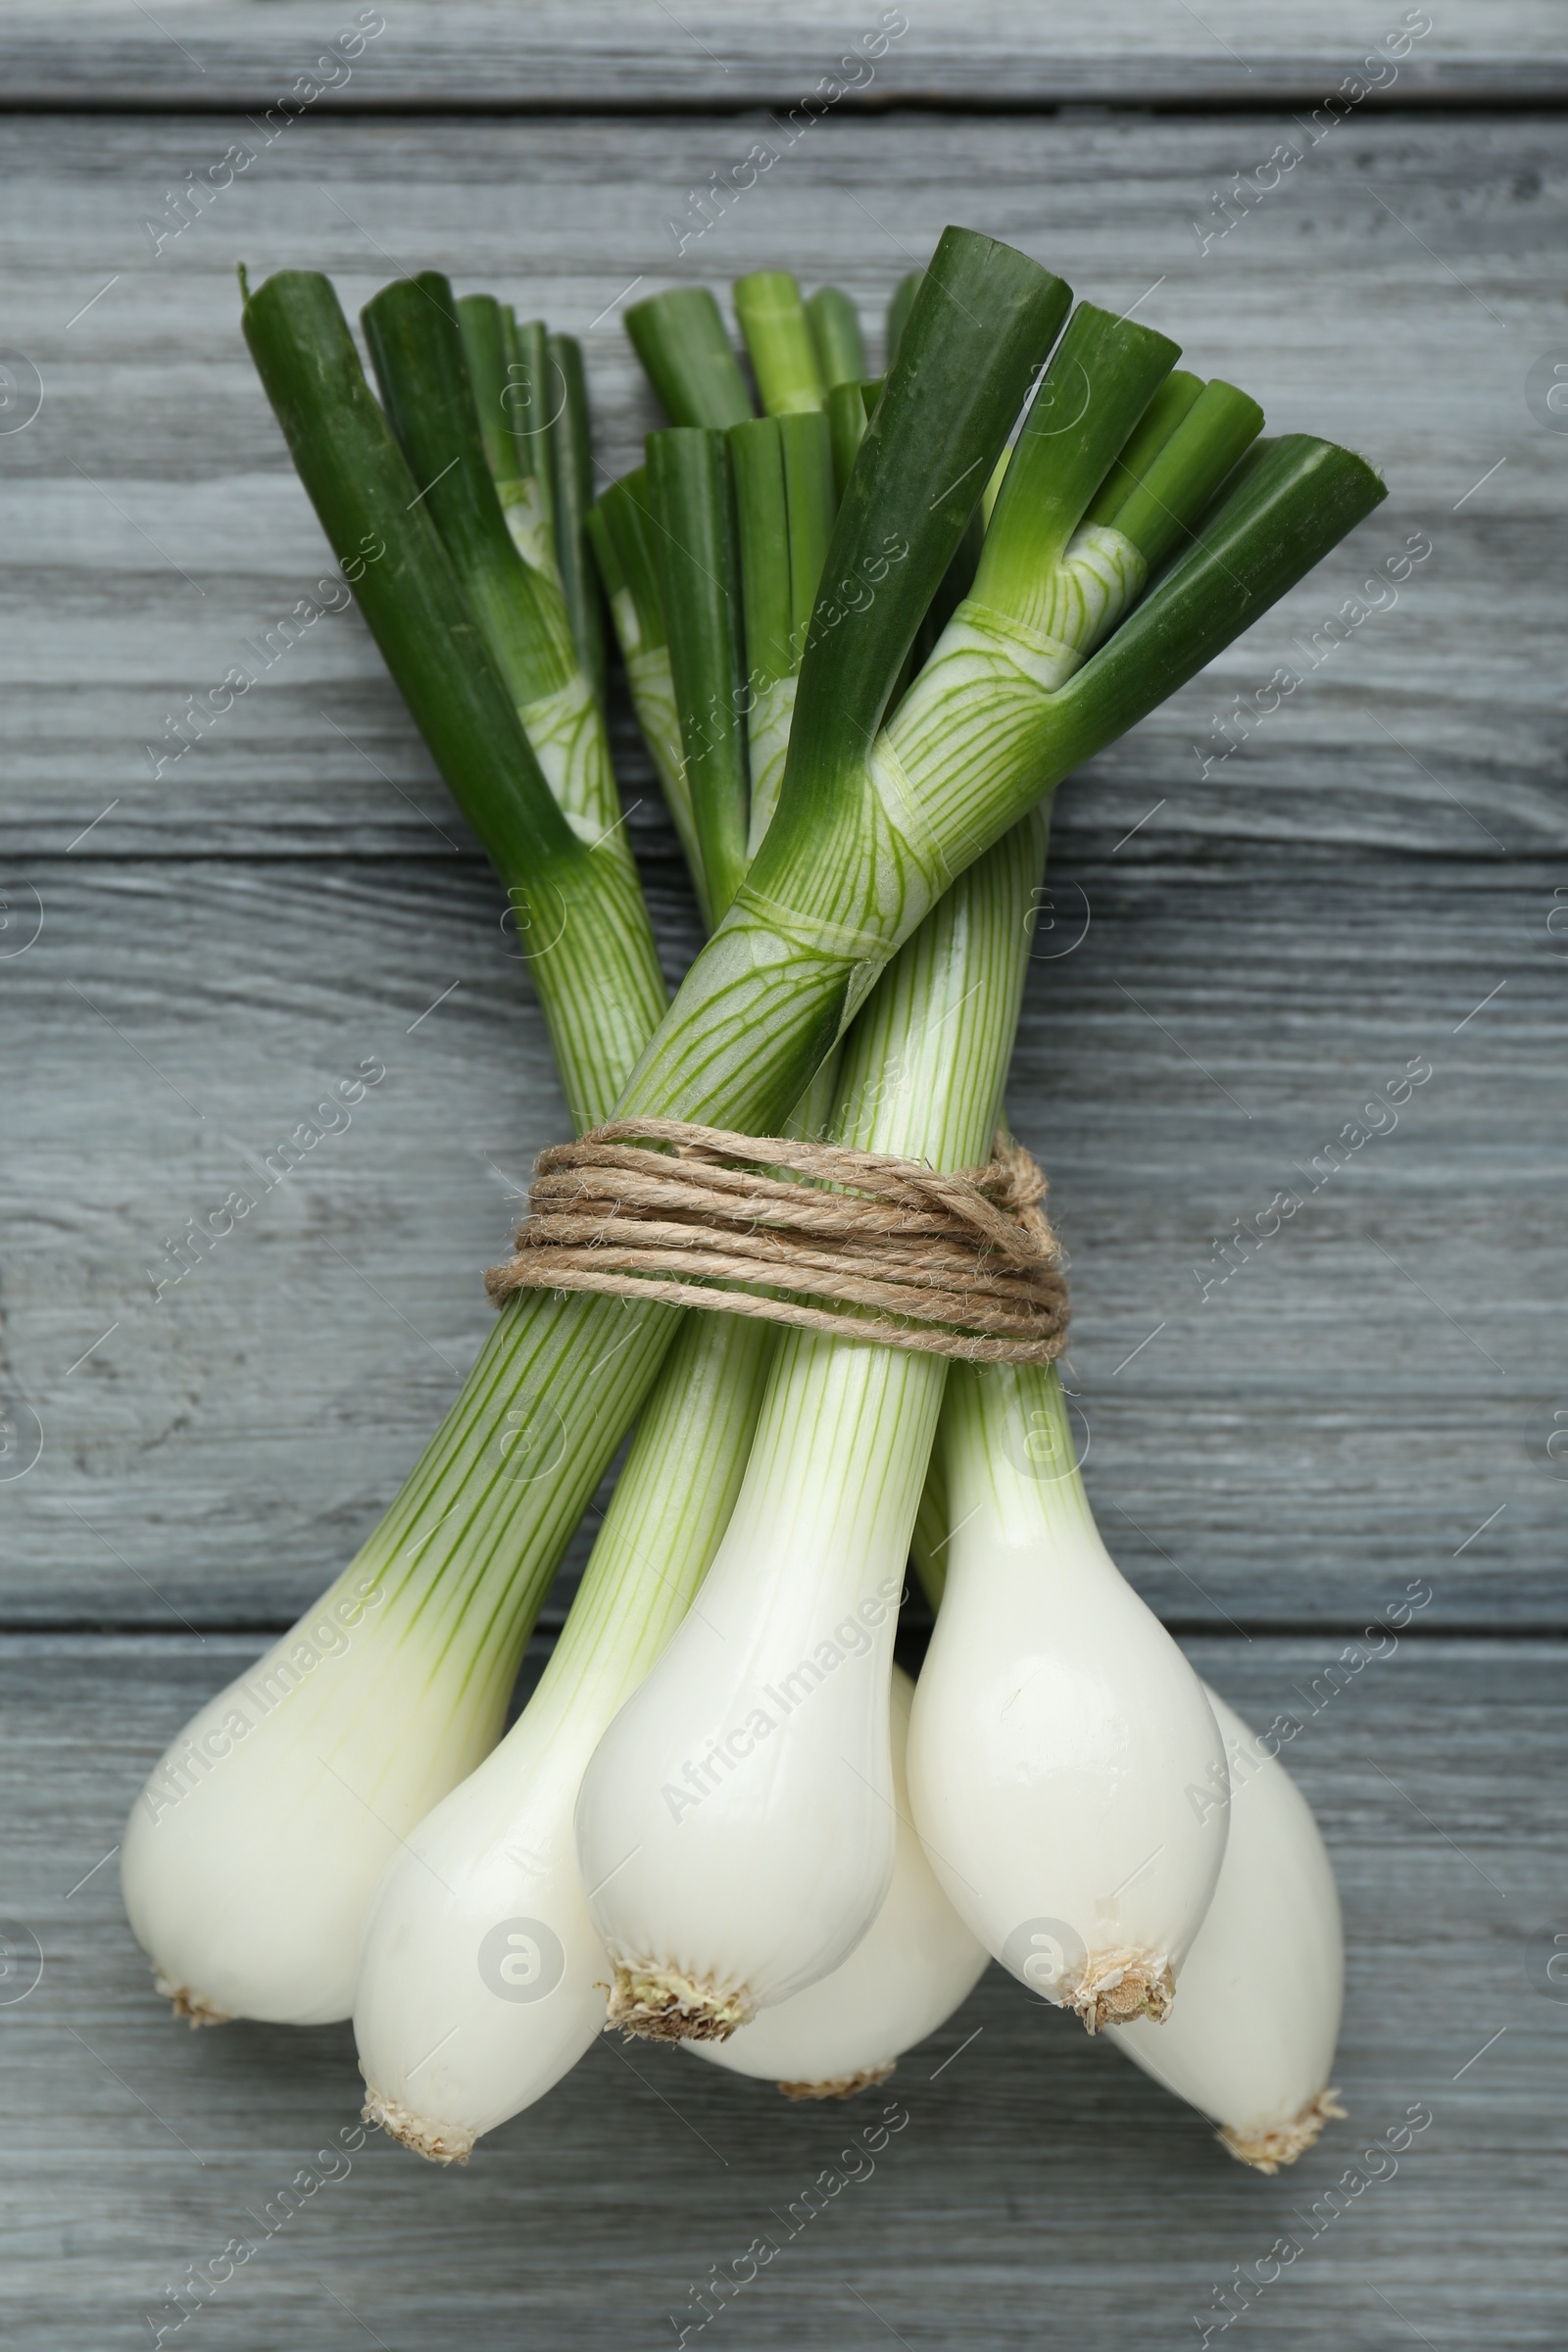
{"x":607,"y":52}
{"x":1040,"y":2190}
{"x":1340,"y":1413}
{"x":1407,"y":331}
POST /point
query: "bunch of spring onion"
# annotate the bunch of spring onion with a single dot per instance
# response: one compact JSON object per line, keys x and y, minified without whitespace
{"x":866,"y":634}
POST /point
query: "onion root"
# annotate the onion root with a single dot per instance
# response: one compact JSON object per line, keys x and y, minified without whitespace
{"x":191,"y":2005}
{"x":1119,"y":1986}
{"x":1266,"y":2147}
{"x":440,"y":2144}
{"x":664,"y":2004}
{"x":841,"y":2087}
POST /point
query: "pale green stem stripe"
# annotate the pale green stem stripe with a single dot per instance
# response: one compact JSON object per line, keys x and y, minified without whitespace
{"x":847,"y":1427}
{"x":673,"y":1498}
{"x":1006,"y":1438}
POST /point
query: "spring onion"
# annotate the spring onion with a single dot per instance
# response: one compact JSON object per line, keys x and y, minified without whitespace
{"x":482,"y":1977}
{"x":401,"y":1690}
{"x":251,"y":1854}
{"x":1251,"y":2040}
{"x":1057,"y":1728}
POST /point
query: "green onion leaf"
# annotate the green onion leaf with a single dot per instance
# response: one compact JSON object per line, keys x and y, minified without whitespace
{"x":899,"y":308}
{"x":1183,"y":476}
{"x":573,"y":485}
{"x":847,"y":414}
{"x":1290,"y":502}
{"x":836,"y":335}
{"x":1102,"y":375}
{"x":681,"y":341}
{"x":778,"y":341}
{"x":418,"y":351}
{"x":1147,"y":437}
{"x":700,"y":582}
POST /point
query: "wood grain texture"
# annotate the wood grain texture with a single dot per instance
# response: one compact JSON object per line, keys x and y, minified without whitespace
{"x":1341,"y":1411}
{"x":1041,"y":2189}
{"x":599,"y":53}
{"x":155,"y":532}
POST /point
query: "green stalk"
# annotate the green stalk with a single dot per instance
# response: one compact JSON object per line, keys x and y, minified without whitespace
{"x":836,"y":335}
{"x":692,"y":501}
{"x":594,"y":964}
{"x":762,"y":530}
{"x":418,"y":351}
{"x":1102,"y":377}
{"x":779,"y":342}
{"x":681,"y":341}
{"x":784,"y":512}
{"x":847,"y":411}
{"x":504,"y":396}
{"x":622,"y":530}
{"x":1183,"y":475}
{"x":573,"y":487}
{"x":900,"y":306}
{"x":813,"y":504}
{"x":532,"y":398}
{"x":987,"y":1407}
{"x":761,"y":514}
{"x":486,"y":348}
{"x":1152,"y":430}
{"x":416,"y":348}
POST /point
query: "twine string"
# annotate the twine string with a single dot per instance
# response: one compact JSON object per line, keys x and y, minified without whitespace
{"x":859,"y":1244}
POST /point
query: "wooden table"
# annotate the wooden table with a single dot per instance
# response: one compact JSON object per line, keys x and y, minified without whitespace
{"x":1240,"y":957}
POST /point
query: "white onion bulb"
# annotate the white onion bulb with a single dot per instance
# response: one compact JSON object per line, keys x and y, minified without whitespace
{"x":1251,"y":2041}
{"x":482,"y":1981}
{"x":1056,"y":1726}
{"x":482,"y":1978}
{"x":914,"y":1966}
{"x":737,"y":1817}
{"x":252,"y":1853}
